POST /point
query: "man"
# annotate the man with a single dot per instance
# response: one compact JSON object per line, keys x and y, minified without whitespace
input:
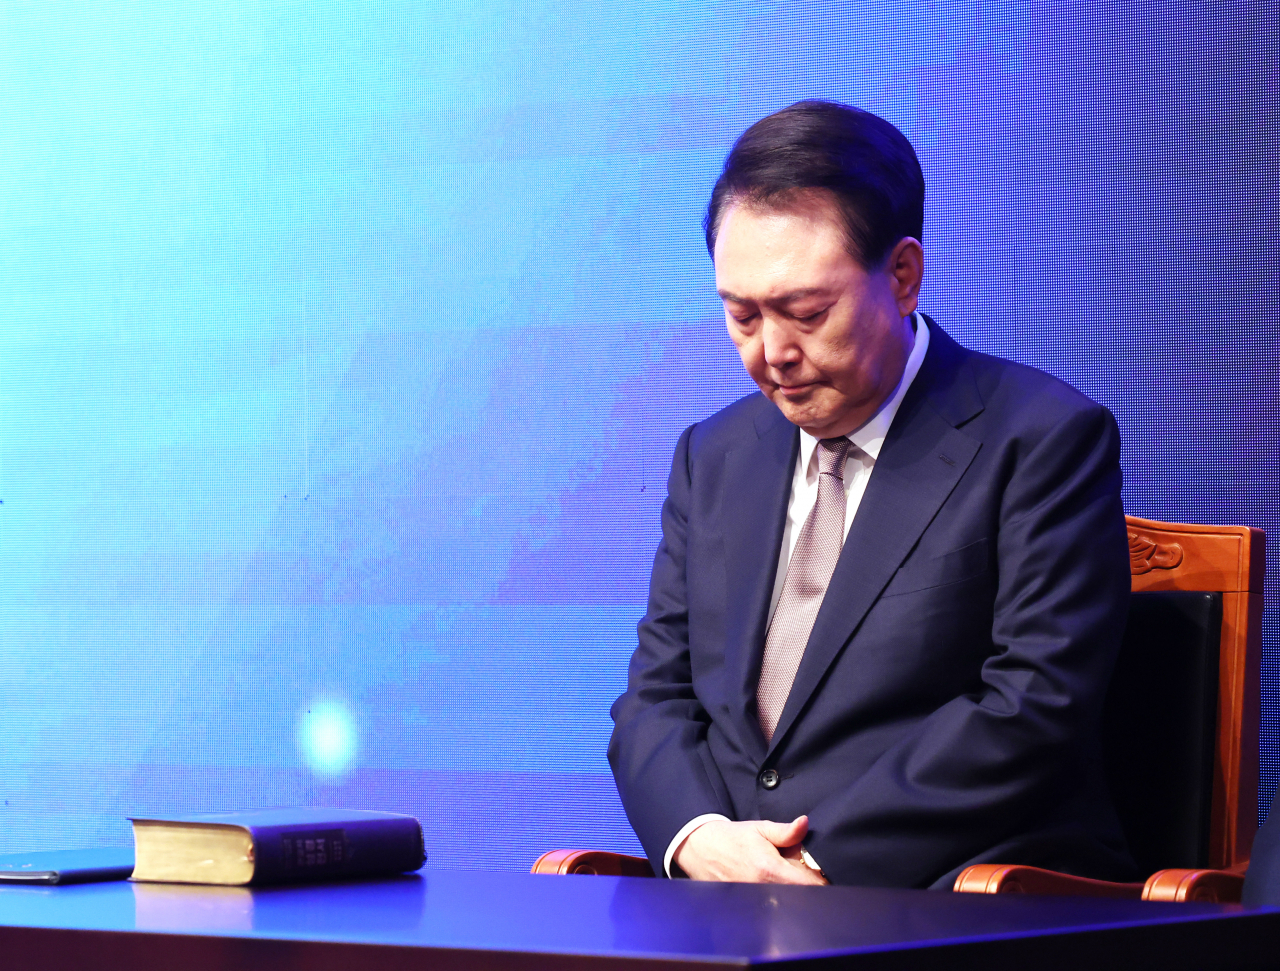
{"x":892,"y":584}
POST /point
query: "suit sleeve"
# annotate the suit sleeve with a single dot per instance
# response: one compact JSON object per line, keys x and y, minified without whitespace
{"x":978,"y":769}
{"x":659,"y":754}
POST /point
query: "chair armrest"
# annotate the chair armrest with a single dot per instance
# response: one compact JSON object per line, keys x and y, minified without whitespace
{"x":592,"y":862}
{"x":1006,"y":878}
{"x":1206,"y":886}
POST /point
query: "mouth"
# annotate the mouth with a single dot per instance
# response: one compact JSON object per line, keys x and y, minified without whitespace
{"x":794,"y":390}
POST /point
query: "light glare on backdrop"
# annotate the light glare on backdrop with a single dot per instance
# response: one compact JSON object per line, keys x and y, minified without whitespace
{"x":327,"y":738}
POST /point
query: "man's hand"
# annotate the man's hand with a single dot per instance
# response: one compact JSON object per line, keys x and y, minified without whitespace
{"x":757,"y":851}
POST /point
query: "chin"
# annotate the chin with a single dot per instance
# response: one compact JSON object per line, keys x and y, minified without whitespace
{"x":805,"y":419}
{"x":795,"y":413}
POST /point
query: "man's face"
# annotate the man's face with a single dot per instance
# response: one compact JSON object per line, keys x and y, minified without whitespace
{"x":824,"y":339}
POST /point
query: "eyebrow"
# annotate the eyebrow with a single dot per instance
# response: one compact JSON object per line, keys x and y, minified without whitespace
{"x":787,"y":297}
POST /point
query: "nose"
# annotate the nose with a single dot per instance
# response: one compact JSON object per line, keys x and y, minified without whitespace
{"x":780,"y":348}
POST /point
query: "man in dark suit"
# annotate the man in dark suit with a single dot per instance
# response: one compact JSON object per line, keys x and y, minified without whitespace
{"x":892,"y":585}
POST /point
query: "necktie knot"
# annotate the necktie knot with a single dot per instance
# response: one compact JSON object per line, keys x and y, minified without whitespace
{"x":831,"y":455}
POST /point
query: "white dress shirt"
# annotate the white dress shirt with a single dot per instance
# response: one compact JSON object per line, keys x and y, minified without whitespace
{"x":858,"y":466}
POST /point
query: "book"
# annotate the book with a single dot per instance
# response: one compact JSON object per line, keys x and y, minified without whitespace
{"x":260,"y":846}
{"x":67,"y":866}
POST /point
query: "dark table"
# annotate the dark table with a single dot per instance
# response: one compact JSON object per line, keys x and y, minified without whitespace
{"x":476,"y":919}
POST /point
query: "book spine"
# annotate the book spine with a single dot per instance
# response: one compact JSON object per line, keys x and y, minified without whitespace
{"x":366,"y":847}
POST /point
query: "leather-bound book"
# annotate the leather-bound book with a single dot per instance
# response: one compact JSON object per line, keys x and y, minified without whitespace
{"x":260,"y":846}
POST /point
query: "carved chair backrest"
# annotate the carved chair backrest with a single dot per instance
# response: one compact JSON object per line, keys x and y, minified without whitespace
{"x":1230,"y":560}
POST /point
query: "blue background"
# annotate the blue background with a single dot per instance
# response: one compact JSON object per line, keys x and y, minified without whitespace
{"x":343,"y":347}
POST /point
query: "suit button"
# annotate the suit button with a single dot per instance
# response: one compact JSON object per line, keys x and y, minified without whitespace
{"x":770,"y":779}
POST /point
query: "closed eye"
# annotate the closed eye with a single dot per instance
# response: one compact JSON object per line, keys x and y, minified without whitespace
{"x":812,"y":317}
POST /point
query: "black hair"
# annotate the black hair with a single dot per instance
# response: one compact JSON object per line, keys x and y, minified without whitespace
{"x":865,"y":162}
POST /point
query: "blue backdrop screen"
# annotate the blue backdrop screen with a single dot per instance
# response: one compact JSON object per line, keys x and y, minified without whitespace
{"x":343,"y":347}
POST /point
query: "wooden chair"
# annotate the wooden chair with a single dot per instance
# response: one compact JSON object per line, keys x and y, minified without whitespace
{"x":1187,"y":686}
{"x":1181,"y":730}
{"x":592,"y":863}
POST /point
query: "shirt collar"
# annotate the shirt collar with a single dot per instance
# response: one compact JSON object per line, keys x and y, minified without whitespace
{"x":870,"y":437}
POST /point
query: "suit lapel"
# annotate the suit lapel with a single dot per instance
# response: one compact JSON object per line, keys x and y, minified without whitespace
{"x":923,"y":458}
{"x":757,"y":488}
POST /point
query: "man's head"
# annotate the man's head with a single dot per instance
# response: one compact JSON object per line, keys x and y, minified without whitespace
{"x":814,"y":227}
{"x":867,"y":165}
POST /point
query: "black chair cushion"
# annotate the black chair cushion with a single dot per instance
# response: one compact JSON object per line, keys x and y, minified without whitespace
{"x":1160,"y":727}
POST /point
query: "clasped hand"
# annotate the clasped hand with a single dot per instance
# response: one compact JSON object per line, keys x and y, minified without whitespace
{"x":756,"y":851}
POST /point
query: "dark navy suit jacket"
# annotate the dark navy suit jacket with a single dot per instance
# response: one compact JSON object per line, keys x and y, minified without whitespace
{"x":1262,"y":880}
{"x":947,"y":708}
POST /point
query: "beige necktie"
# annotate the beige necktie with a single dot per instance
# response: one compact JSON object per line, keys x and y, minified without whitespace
{"x":808,"y":573}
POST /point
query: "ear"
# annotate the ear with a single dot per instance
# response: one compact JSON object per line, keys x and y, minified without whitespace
{"x":905,"y":267}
